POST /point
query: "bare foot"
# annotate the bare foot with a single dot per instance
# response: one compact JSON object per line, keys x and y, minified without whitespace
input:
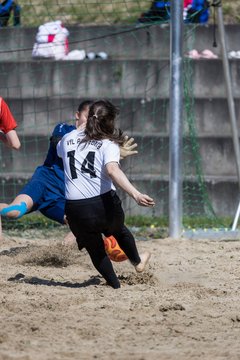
{"x":144,"y":260}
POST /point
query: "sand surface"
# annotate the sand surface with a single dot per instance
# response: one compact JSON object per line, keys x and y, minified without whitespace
{"x":55,"y":306}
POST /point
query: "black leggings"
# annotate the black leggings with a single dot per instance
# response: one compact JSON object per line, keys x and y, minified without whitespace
{"x":89,"y":219}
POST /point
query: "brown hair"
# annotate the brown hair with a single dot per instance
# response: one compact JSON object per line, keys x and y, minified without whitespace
{"x":101,"y":122}
{"x":84,"y":104}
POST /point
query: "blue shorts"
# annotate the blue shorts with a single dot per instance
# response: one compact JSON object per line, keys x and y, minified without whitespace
{"x":46,"y":188}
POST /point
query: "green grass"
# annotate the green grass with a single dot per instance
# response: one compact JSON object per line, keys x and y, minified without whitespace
{"x":33,"y":221}
{"x":95,"y":12}
{"x":83,"y":11}
{"x":143,"y":227}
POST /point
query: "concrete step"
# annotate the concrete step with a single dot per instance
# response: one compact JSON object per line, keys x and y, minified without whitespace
{"x":222,"y":192}
{"x":68,"y":79}
{"x":32,"y":154}
{"x":112,"y":79}
{"x":126,"y":42}
{"x":215,"y":155}
{"x":146,"y":115}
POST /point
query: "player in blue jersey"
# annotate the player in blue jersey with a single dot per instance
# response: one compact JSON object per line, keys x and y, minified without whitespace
{"x":45,"y":191}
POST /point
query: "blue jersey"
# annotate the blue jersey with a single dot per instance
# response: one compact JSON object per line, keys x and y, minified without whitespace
{"x":52,"y":158}
{"x":46,"y":187}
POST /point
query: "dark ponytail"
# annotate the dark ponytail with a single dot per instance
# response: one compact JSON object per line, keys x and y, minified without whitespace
{"x":101,"y":122}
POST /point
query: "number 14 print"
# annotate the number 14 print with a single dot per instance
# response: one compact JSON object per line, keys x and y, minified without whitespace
{"x":87,"y":165}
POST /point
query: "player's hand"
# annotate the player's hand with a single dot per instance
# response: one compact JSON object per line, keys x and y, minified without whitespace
{"x":128,"y":147}
{"x":144,"y":200}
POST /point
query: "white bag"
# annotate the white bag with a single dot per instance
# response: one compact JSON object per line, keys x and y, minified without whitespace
{"x":51,"y":41}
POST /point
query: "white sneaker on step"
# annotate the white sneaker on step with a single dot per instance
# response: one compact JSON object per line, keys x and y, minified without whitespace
{"x":144,"y":260}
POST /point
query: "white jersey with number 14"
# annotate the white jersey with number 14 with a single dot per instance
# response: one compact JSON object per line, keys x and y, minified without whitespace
{"x":85,"y":165}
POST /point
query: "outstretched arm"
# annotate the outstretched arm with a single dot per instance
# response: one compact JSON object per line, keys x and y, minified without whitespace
{"x":128,"y":147}
{"x":120,"y":179}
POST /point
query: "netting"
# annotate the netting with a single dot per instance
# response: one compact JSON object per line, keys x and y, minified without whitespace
{"x":126,"y":61}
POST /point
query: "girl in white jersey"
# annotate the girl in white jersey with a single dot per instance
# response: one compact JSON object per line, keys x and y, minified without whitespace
{"x":91,"y":165}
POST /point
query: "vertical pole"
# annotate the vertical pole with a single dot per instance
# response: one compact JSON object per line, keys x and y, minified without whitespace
{"x":230,"y":98}
{"x":235,"y":221}
{"x":0,"y":229}
{"x":175,"y":134}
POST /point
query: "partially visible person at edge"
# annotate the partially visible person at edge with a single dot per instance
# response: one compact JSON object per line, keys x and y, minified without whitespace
{"x":8,"y":124}
{"x":7,"y":8}
{"x":91,"y":157}
{"x":45,"y":191}
{"x":194,"y":11}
